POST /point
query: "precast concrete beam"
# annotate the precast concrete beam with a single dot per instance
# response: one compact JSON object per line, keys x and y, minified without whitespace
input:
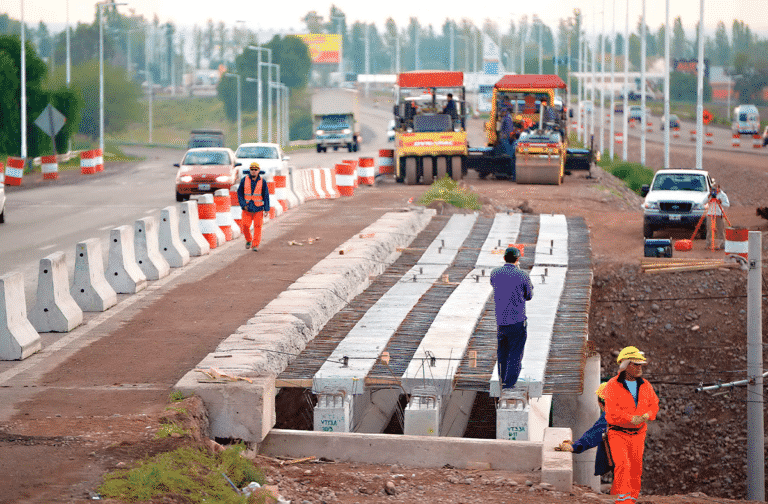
{"x":123,"y":274}
{"x":409,"y":451}
{"x":189,"y":230}
{"x":457,"y":412}
{"x":169,"y":242}
{"x":90,"y":288}
{"x":381,"y":404}
{"x":18,"y":339}
{"x":148,"y":257}
{"x":55,"y":309}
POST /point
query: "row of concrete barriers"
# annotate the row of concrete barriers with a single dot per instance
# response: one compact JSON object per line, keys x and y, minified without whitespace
{"x":135,"y":256}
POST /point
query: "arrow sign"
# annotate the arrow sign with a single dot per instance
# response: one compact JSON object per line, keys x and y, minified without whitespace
{"x":707,"y":116}
{"x":50,"y":121}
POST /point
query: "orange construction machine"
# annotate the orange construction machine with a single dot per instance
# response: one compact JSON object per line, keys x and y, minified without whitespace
{"x":430,"y":135}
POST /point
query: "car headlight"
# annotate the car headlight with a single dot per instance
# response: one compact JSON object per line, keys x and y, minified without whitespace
{"x":698,"y":206}
{"x":186,"y":178}
{"x":347,"y":131}
{"x":320,"y":132}
{"x":223,"y":178}
{"x":653,"y":205}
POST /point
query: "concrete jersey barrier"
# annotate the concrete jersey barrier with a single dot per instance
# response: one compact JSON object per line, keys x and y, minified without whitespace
{"x":189,"y":230}
{"x":90,"y":288}
{"x":18,"y":339}
{"x":56,"y":309}
{"x":170,"y":245}
{"x":123,"y":274}
{"x":147,"y":249}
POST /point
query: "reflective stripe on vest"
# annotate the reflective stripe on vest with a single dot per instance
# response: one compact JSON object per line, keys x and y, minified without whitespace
{"x":254,"y":195}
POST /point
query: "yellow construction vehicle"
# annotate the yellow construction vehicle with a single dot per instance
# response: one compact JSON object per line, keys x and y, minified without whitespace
{"x":430,"y":135}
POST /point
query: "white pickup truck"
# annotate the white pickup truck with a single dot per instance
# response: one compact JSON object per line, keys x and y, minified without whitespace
{"x":676,"y":198}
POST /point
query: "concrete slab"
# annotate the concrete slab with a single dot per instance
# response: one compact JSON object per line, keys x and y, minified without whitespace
{"x":556,"y":466}
{"x":409,"y":451}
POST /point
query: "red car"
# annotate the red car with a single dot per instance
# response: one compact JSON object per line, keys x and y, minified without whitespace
{"x":205,"y":170}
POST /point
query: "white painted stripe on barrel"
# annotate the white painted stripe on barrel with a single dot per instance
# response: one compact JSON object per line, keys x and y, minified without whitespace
{"x":345,"y":180}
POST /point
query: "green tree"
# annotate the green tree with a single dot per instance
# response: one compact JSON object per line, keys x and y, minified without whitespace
{"x":678,"y":45}
{"x":722,"y":46}
{"x":683,"y":86}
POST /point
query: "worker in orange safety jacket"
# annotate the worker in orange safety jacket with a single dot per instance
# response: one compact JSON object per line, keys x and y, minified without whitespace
{"x":253,"y":197}
{"x":630,"y":403}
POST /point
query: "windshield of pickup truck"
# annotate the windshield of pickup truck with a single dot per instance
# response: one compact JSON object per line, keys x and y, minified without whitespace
{"x":334,"y":122}
{"x":680,"y":182}
{"x":259,"y":152}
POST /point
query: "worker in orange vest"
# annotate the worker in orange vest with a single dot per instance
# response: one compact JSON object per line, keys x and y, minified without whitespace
{"x":630,"y":403}
{"x":253,"y":197}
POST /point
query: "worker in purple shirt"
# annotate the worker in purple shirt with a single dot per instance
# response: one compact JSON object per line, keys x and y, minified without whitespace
{"x":512,"y":287}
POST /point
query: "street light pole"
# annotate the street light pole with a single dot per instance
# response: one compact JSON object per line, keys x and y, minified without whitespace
{"x":101,"y":72}
{"x":239,"y":108}
{"x":259,"y":93}
{"x":23,"y":88}
{"x":625,"y":115}
{"x":69,"y":59}
{"x":148,"y":52}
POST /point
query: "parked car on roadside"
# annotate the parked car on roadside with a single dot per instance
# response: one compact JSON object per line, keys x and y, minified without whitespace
{"x":674,"y":122}
{"x":270,"y":157}
{"x":206,"y":170}
{"x":675,"y":198}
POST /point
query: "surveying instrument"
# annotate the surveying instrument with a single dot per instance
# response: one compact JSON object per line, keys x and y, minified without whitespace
{"x":711,"y":214}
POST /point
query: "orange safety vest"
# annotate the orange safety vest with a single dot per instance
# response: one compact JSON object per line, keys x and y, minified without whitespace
{"x":620,"y":405}
{"x":253,"y":194}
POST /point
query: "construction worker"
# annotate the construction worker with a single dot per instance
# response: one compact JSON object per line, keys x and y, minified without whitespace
{"x":717,"y":195}
{"x":253,"y":197}
{"x":593,"y":437}
{"x":630,"y":403}
{"x":512,"y":287}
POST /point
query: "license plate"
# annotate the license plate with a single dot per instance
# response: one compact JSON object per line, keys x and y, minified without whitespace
{"x":674,"y":217}
{"x":204,"y":187}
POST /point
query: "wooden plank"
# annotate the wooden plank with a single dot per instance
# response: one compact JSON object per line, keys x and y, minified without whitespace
{"x":294,"y":383}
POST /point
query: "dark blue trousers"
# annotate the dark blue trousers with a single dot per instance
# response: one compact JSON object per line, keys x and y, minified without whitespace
{"x":509,"y":351}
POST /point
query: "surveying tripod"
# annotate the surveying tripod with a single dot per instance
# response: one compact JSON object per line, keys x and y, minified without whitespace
{"x":710,"y":212}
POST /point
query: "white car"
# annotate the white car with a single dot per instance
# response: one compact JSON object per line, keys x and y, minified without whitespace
{"x":391,"y":131}
{"x":676,"y":198}
{"x":2,"y":201}
{"x":270,"y":157}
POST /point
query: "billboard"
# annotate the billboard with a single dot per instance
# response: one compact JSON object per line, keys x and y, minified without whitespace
{"x":323,"y":47}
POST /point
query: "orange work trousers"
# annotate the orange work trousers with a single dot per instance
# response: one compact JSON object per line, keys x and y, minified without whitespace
{"x":257,"y":218}
{"x":627,"y":451}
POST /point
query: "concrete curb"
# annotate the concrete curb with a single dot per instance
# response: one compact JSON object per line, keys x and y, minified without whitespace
{"x":262,"y":348}
{"x":410,"y":451}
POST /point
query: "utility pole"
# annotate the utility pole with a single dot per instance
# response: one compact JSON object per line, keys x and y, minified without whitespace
{"x":626,"y":82}
{"x":755,"y":435}
{"x":24,"y":87}
{"x":147,"y":60}
{"x":367,"y":57}
{"x":666,"y":89}
{"x":700,"y":94}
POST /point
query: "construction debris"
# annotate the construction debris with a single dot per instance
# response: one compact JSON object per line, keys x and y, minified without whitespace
{"x":215,"y":374}
{"x":679,"y":264}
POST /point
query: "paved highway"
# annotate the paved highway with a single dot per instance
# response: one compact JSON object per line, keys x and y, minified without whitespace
{"x":43,"y":220}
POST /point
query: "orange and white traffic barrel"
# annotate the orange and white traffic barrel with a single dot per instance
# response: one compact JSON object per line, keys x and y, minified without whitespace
{"x":345,"y":175}
{"x":632,"y":123}
{"x":272,"y":200}
{"x":737,"y":242}
{"x":757,"y":141}
{"x":366,"y":173}
{"x":675,"y":132}
{"x":281,"y":191}
{"x":736,"y":140}
{"x":649,"y":126}
{"x":619,"y":136}
{"x":14,"y":171}
{"x":353,"y":162}
{"x":206,"y":216}
{"x":386,"y":161}
{"x":2,"y":172}
{"x":708,"y":137}
{"x":234,"y":206}
{"x":99,"y":160}
{"x":693,"y":135}
{"x":50,"y":167}
{"x":88,"y":162}
{"x":221,"y":201}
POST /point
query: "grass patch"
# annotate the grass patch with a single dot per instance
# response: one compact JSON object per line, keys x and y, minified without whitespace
{"x":176,"y":396}
{"x":448,"y":191}
{"x":191,"y":474}
{"x":634,"y":175}
{"x":171,"y":429}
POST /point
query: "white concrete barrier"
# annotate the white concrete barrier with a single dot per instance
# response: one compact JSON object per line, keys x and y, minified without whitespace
{"x":189,"y":230}
{"x":18,"y":339}
{"x":171,"y":248}
{"x":55,"y":309}
{"x":123,"y":274}
{"x":90,"y":288}
{"x":294,"y":192}
{"x":148,"y":257}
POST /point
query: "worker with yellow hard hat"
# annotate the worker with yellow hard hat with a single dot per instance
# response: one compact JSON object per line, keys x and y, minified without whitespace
{"x":594,"y":437}
{"x":630,"y":403}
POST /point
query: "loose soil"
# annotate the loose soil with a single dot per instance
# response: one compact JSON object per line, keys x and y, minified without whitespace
{"x":101,"y":408}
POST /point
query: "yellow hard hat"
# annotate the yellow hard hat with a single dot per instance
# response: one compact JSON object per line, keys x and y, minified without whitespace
{"x":600,"y":392}
{"x":631,"y":353}
{"x":255,"y":165}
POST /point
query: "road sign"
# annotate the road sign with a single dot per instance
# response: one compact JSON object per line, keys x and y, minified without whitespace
{"x":50,"y":121}
{"x":707,"y":116}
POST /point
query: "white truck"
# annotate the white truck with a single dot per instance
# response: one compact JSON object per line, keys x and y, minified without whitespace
{"x":336,"y":114}
{"x":746,"y":120}
{"x":676,"y":198}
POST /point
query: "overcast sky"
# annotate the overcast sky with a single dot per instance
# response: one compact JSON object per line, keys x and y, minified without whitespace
{"x":266,"y":16}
